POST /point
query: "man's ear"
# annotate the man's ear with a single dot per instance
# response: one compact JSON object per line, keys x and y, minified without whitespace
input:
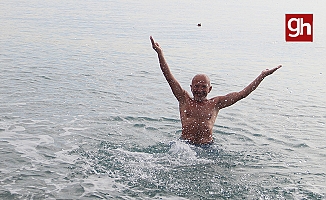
{"x":210,"y":88}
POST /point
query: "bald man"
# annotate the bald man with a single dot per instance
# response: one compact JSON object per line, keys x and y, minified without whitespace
{"x":197,"y":113}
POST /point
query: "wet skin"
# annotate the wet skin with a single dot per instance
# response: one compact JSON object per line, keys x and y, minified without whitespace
{"x":197,"y":113}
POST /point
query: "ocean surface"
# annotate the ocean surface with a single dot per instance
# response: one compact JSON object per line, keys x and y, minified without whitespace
{"x":85,"y":112}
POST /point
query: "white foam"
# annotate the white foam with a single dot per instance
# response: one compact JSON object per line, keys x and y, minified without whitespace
{"x":181,"y":149}
{"x":63,"y":156}
{"x":104,"y":183}
{"x":27,"y":144}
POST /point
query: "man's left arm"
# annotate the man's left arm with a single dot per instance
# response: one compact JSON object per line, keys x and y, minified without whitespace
{"x":231,"y":98}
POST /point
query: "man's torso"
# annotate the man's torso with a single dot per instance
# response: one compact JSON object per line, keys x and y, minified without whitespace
{"x":197,"y":120}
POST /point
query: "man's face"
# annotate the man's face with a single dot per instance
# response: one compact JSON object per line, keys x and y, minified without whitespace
{"x":200,"y":87}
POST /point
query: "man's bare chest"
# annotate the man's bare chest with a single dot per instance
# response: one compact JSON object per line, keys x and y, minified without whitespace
{"x":200,"y":111}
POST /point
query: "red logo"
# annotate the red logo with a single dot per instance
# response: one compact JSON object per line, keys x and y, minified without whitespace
{"x":298,"y":27}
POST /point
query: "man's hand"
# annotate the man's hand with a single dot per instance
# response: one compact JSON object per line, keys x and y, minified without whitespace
{"x":270,"y":71}
{"x":155,"y":45}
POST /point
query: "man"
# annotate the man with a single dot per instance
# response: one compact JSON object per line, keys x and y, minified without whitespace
{"x":198,"y":114}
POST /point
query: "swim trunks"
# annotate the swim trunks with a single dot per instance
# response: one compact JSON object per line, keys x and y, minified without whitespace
{"x":206,"y":145}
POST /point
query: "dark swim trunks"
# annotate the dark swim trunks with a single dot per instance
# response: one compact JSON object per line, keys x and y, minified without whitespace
{"x":206,"y":145}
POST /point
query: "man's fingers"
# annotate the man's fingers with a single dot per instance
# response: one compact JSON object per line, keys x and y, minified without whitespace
{"x":154,"y":44}
{"x":276,"y":68}
{"x":152,"y":40}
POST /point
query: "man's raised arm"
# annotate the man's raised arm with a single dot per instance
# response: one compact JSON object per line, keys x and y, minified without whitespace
{"x":231,"y":98}
{"x":174,"y":84}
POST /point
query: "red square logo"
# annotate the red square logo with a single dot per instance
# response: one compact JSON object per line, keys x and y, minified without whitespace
{"x":298,"y":27}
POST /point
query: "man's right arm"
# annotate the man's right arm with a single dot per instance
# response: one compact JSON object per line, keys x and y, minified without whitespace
{"x":177,"y":90}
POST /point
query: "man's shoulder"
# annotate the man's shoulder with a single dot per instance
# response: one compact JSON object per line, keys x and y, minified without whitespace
{"x":216,"y":99}
{"x":185,"y":98}
{"x":186,"y":95}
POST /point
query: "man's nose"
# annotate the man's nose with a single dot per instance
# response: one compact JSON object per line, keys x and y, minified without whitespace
{"x":200,"y":90}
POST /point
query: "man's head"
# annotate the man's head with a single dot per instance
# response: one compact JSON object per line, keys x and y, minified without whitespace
{"x":200,"y":87}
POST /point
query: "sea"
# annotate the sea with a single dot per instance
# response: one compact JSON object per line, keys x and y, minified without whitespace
{"x":85,"y":112}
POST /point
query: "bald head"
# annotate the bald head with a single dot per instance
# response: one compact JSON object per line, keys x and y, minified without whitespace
{"x":201,"y":78}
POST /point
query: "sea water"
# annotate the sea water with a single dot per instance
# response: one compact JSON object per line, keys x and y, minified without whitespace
{"x":85,"y":112}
